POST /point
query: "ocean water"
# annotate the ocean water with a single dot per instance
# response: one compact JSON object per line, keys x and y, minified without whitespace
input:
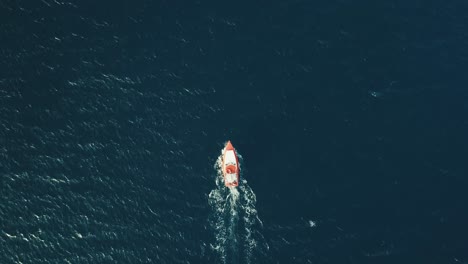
{"x":350,"y":117}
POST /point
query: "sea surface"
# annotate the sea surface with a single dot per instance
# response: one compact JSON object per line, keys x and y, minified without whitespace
{"x":350,"y":117}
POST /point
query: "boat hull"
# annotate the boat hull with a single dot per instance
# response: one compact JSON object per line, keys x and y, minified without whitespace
{"x":230,"y":166}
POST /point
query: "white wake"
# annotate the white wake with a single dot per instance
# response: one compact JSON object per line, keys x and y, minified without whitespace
{"x":235,"y":220}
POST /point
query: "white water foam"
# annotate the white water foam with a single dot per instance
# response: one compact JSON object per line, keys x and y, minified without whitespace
{"x":235,"y":220}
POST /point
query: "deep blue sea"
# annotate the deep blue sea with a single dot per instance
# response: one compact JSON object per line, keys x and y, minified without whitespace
{"x":350,"y":117}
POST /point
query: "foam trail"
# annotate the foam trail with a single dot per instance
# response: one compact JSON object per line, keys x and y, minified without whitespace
{"x":234,"y":220}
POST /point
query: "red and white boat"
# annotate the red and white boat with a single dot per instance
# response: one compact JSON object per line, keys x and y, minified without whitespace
{"x":231,"y":170}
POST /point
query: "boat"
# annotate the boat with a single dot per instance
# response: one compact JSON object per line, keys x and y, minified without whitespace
{"x":230,"y":165}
